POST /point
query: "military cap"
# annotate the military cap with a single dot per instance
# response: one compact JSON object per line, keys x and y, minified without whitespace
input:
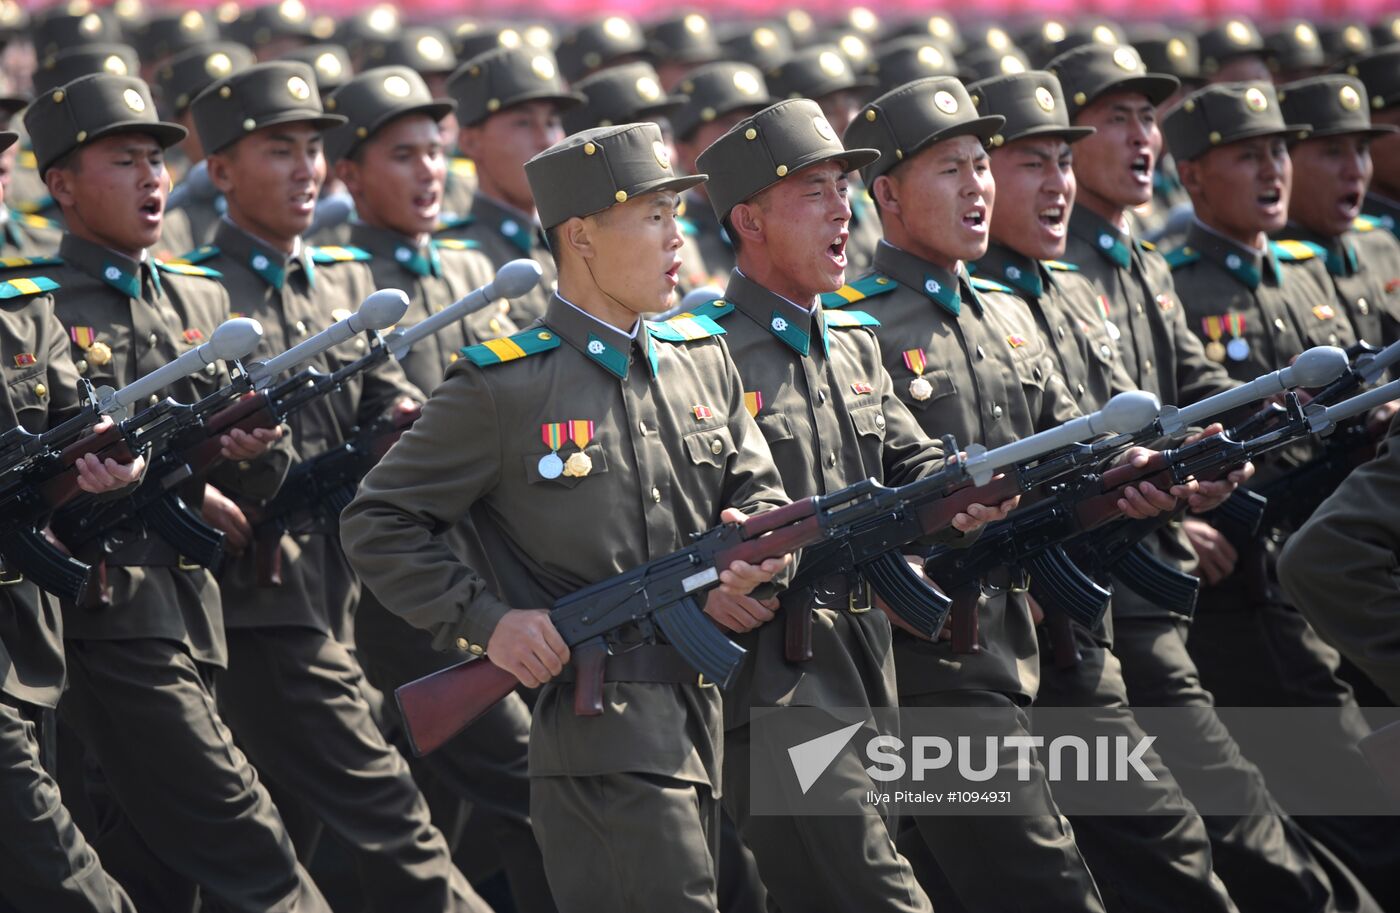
{"x":761,"y":150}
{"x":427,"y":50}
{"x":1380,"y":72}
{"x":1033,"y":104}
{"x":593,"y":170}
{"x":89,"y":108}
{"x":597,"y":44}
{"x":763,"y":45}
{"x":1226,"y":113}
{"x":939,"y":27}
{"x":1088,"y":72}
{"x":376,"y":23}
{"x":1341,"y":41}
{"x":1294,"y":46}
{"x":682,"y":38}
{"x":470,"y":38}
{"x":903,"y":122}
{"x":989,"y":36}
{"x":1055,"y":38}
{"x":863,"y":21}
{"x":169,"y":33}
{"x":261,"y":25}
{"x":11,"y":105}
{"x":717,"y":89}
{"x":190,"y":72}
{"x":1174,"y":53}
{"x":906,"y":59}
{"x":7,"y":139}
{"x":83,"y":60}
{"x":498,"y":79}
{"x":330,"y":62}
{"x":1234,"y":37}
{"x":625,"y":94}
{"x":263,"y":95}
{"x":813,"y":72}
{"x":14,"y":20}
{"x":68,"y":26}
{"x":374,"y":98}
{"x":800,"y":27}
{"x":1386,"y":31}
{"x":855,"y":48}
{"x":1334,"y":105}
{"x":983,"y":63}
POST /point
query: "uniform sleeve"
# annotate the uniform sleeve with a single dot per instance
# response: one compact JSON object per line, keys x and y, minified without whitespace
{"x":393,"y":532}
{"x":1342,"y":568}
{"x":63,"y":379}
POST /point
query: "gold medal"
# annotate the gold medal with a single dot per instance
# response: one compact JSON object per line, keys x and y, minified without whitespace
{"x":98,"y":354}
{"x":1215,"y":350}
{"x":920,"y":388}
{"x":578,"y":465}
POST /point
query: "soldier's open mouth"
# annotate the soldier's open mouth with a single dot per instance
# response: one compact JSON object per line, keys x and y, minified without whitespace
{"x":1350,"y":204}
{"x":837,"y":249}
{"x":1270,"y":197}
{"x":1142,"y":166}
{"x":1052,"y":216}
{"x":975,"y":218}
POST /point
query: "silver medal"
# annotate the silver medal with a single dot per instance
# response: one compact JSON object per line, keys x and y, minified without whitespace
{"x":551,"y":467}
{"x":1237,"y":349}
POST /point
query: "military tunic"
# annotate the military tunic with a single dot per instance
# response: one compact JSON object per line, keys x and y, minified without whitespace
{"x":192,"y":813}
{"x":662,"y":467}
{"x":1364,"y":268}
{"x":1385,"y":211}
{"x":45,"y":862}
{"x":25,"y":235}
{"x":825,"y":404}
{"x":503,"y":234}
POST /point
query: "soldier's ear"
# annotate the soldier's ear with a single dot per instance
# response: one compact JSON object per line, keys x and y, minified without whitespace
{"x":747,"y":221}
{"x":469,"y":142}
{"x":1190,"y":175}
{"x":220,"y":172}
{"x":576,"y":237}
{"x":886,"y":194}
{"x":347,"y":171}
{"x":59,"y":180}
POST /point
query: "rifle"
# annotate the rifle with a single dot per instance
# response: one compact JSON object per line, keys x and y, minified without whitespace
{"x":1032,"y":537}
{"x":186,"y":440}
{"x":325,"y":484}
{"x":38,"y":474}
{"x":661,"y":596}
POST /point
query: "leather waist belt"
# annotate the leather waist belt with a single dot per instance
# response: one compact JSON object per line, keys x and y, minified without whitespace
{"x":651,"y":663}
{"x":844,"y":592}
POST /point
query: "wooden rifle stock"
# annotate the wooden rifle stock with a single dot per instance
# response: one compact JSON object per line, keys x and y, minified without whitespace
{"x":436,"y":707}
{"x":248,"y":413}
{"x":63,"y":487}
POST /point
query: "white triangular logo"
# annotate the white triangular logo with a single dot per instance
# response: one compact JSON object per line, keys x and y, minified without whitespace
{"x":810,"y":759}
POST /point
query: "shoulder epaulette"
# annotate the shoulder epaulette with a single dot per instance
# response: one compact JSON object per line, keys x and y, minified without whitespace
{"x":1296,"y":250}
{"x":1063,"y":266}
{"x":455,"y":244}
{"x":34,"y":285}
{"x":1146,"y":245}
{"x":687,"y":227}
{"x":337,"y":254}
{"x":866,"y":287}
{"x":34,"y":220}
{"x":1182,"y":256}
{"x":684,"y":329}
{"x":511,"y":348}
{"x":1366,"y":223}
{"x":198,"y":255}
{"x":19,"y":262}
{"x":712,"y":310}
{"x":839,"y":317}
{"x":32,"y":207}
{"x":455,"y":222}
{"x":987,"y":285}
{"x":187,"y":269}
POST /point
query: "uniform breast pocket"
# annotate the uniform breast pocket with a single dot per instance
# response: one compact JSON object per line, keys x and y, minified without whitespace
{"x":29,"y":396}
{"x":1030,"y":368}
{"x":710,"y":447}
{"x":935,"y":386}
{"x":869,"y":422}
{"x":568,"y":467}
{"x":775,"y":427}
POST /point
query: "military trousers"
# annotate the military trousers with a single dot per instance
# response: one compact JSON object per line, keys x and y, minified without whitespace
{"x":1001,"y":863}
{"x":1267,"y":861}
{"x":190,"y":812}
{"x":45,"y":861}
{"x":294,"y":698}
{"x":480,"y":779}
{"x":1158,"y":861}
{"x":627,"y":842}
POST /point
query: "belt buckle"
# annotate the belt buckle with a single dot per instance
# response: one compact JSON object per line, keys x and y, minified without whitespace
{"x":700,"y":681}
{"x":186,"y":564}
{"x":864,"y":592}
{"x":9,"y":578}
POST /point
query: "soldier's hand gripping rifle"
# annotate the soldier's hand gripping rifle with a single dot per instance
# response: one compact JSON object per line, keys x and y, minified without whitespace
{"x":38,"y":472}
{"x":184,"y":441}
{"x":323,"y":485}
{"x":662,"y":596}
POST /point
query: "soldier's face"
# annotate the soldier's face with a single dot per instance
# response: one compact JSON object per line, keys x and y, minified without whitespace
{"x":1114,"y":166}
{"x":502,"y":144}
{"x":271,"y":178}
{"x":398,"y":181}
{"x":636,"y":251}
{"x":116,"y":195}
{"x":942,"y":201}
{"x":802,"y":222}
{"x":841,"y":108}
{"x":1331,"y":174}
{"x":1035,"y":181}
{"x":1241,"y":189}
{"x":1245,"y":68}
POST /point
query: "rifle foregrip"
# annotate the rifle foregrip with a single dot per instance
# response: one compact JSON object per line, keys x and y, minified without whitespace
{"x":589,"y":662}
{"x":248,"y":413}
{"x":63,"y":487}
{"x":436,"y":707}
{"x":938,"y":515}
{"x":797,"y":631}
{"x":779,"y":542}
{"x":778,"y":517}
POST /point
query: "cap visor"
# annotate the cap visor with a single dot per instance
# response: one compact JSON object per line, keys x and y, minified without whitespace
{"x":1070,"y":134}
{"x":7,"y":139}
{"x":678,"y":184}
{"x":1158,"y":87}
{"x":317,"y":121}
{"x":1375,"y":131}
{"x":165,"y":134}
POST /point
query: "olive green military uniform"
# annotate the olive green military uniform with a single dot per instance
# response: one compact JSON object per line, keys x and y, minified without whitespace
{"x":503,"y":233}
{"x":1252,"y":648}
{"x":1383,"y":211}
{"x":823,"y":401}
{"x":657,"y":466}
{"x":45,"y":861}
{"x":1173,"y":52}
{"x":192,"y":813}
{"x":486,"y":764}
{"x":291,"y":646}
{"x":28,"y":236}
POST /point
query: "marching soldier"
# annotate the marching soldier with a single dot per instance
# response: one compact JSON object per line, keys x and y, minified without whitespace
{"x":1232,"y":50}
{"x":46,"y":863}
{"x":291,"y":645}
{"x":1380,"y":73}
{"x":508,"y":104}
{"x":589,"y":413}
{"x":192,"y":814}
{"x":21,"y":234}
{"x":1331,"y":171}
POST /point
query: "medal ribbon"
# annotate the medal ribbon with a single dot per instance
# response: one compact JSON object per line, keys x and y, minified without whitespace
{"x":753,"y":402}
{"x":1103,"y":303}
{"x":915,"y":360}
{"x":1213,"y":327}
{"x":553,"y":434}
{"x":580,"y":432}
{"x":1235,"y":323}
{"x":82,"y":336}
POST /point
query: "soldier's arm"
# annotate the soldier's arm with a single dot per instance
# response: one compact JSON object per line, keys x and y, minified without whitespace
{"x":392,"y":531}
{"x":63,"y":378}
